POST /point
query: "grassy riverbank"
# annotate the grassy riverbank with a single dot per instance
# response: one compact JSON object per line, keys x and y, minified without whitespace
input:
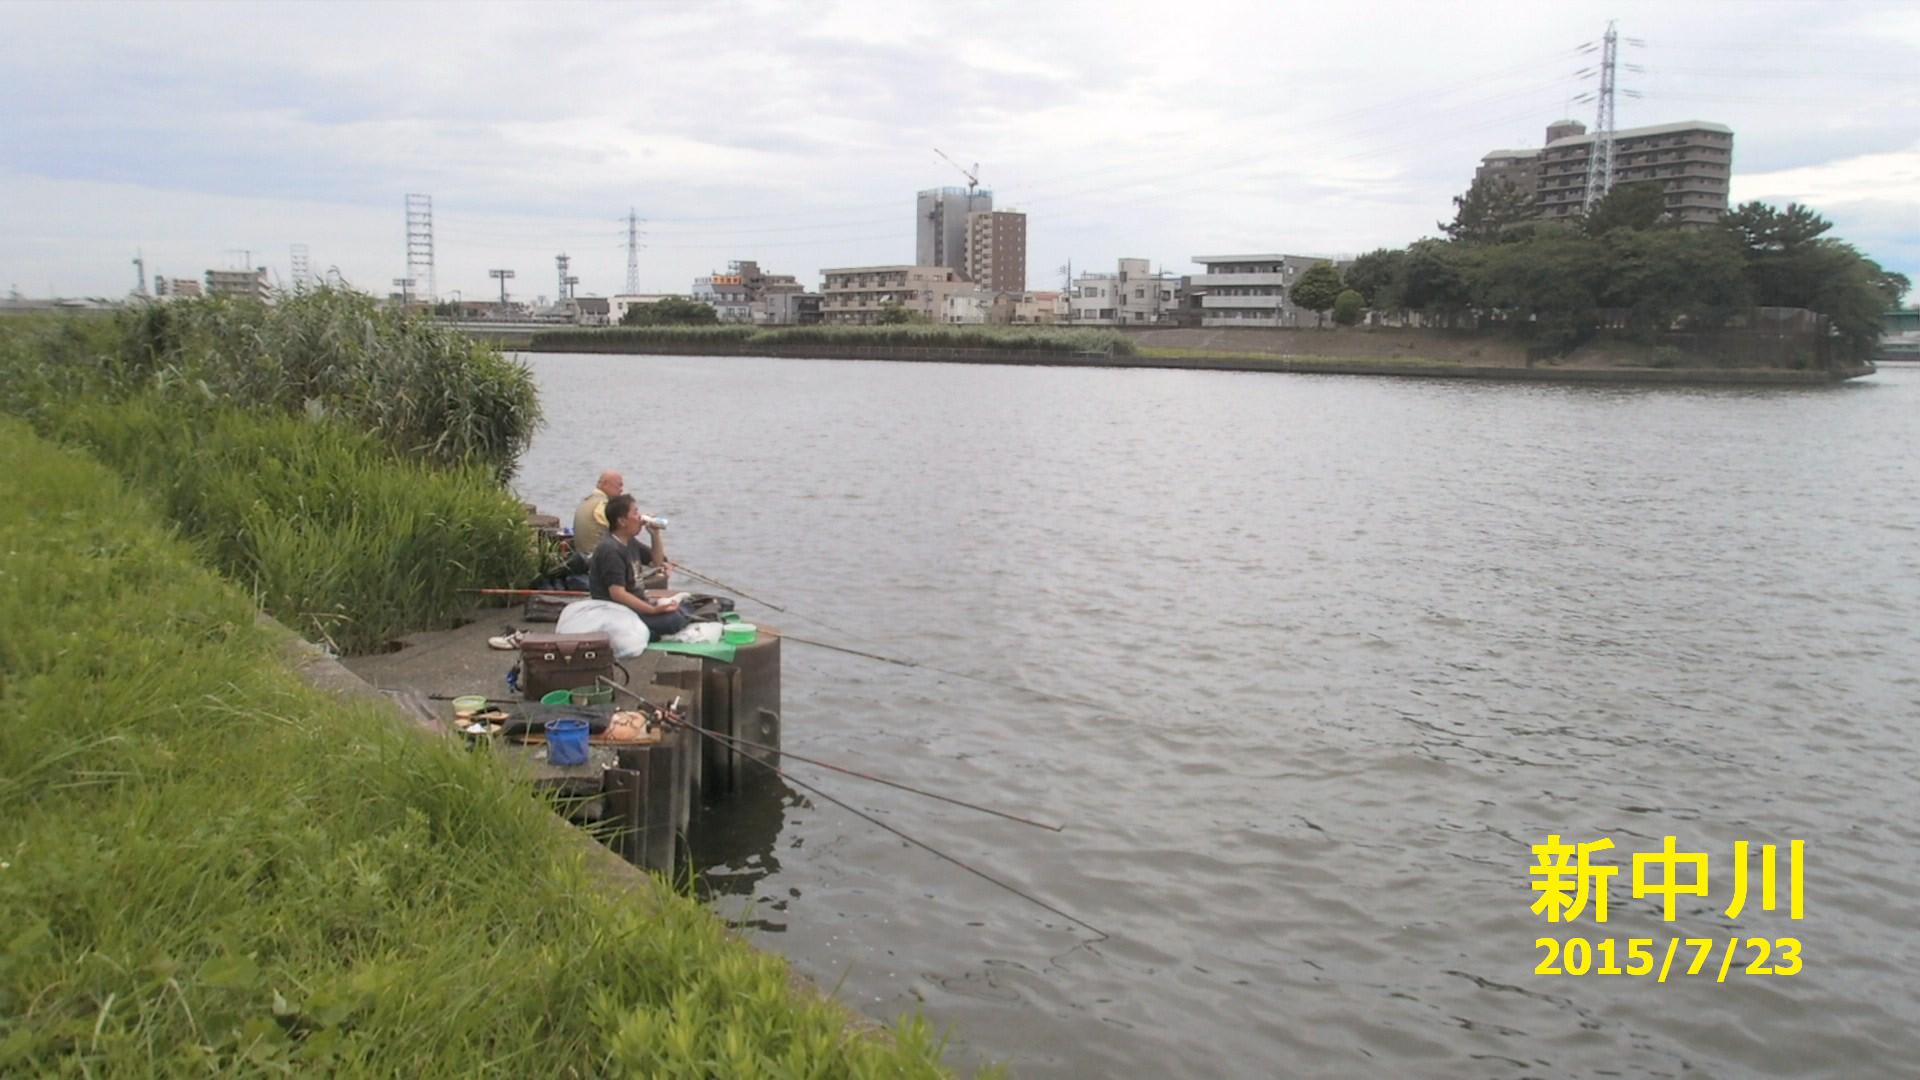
{"x":747,"y":338}
{"x":340,"y":463}
{"x":206,"y":867}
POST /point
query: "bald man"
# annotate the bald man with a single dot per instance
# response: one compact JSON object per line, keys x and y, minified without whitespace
{"x":590,"y":518}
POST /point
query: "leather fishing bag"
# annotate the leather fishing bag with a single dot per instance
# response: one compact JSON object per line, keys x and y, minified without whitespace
{"x":563,"y":662}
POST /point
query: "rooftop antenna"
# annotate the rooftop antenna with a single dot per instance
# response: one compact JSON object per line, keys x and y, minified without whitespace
{"x":420,"y":242}
{"x":973,"y":177}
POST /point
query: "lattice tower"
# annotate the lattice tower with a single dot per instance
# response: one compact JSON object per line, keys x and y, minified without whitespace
{"x":1600,"y":158}
{"x":420,"y":244}
{"x":633,"y":251}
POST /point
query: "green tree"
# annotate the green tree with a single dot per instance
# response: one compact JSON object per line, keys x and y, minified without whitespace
{"x":895,"y":313}
{"x":1435,"y":279}
{"x":1347,"y":307}
{"x":1791,"y":262}
{"x":1317,"y":289}
{"x":670,"y":311}
{"x":1380,"y":278}
{"x":1628,"y":206}
{"x":1666,"y":277}
{"x":1546,"y":285}
{"x":1488,"y":212}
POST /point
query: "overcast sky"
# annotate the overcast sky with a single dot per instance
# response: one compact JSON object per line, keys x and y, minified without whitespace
{"x":797,"y":133}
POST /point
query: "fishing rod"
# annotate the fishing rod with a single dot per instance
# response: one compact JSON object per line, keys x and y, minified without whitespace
{"x":718,"y":584}
{"x":870,"y":819}
{"x":751,"y":745}
{"x":524,"y":592}
{"x":947,"y":671}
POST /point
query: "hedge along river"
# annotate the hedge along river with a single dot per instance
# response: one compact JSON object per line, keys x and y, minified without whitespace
{"x":1362,"y":644}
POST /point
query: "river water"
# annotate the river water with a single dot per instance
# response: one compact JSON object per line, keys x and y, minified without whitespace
{"x":1354,"y":646}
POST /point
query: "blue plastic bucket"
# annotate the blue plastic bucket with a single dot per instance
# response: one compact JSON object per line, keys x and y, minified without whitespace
{"x":566,"y":742}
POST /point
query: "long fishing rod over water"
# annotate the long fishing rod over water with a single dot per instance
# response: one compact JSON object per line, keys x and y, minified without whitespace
{"x":729,"y":742}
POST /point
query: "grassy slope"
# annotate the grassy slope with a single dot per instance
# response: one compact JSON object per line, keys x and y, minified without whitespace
{"x":205,"y":866}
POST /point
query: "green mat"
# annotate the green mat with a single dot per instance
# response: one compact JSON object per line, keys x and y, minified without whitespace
{"x":718,"y":650}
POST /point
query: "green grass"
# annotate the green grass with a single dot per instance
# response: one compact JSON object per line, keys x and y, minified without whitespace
{"x":1012,"y":338}
{"x":208,"y":869}
{"x":328,"y":530}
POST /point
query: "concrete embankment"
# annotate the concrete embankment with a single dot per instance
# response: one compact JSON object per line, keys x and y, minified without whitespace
{"x":1499,"y":366}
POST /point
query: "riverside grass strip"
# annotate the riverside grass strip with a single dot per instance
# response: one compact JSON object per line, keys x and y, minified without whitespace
{"x":207,"y":867}
{"x":1011,"y":338}
{"x":330,"y":532}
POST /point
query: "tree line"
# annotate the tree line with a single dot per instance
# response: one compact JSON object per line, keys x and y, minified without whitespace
{"x":1553,"y":280}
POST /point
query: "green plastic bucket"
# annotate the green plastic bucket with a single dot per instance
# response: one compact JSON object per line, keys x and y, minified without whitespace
{"x":557,"y":697}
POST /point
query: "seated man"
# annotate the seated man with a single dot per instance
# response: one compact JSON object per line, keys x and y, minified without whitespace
{"x":621,"y":563}
{"x":590,"y":518}
{"x":619,"y":607}
{"x":590,"y":527}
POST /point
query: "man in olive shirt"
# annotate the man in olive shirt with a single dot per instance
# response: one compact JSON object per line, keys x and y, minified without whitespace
{"x":621,"y":563}
{"x":590,"y":518}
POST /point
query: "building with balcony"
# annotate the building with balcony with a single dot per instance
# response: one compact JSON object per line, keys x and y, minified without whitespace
{"x":1131,"y":296}
{"x":1691,"y":161}
{"x":996,"y":250}
{"x":1251,"y":290}
{"x":857,"y":295}
{"x":1028,"y":309}
{"x":251,"y":284}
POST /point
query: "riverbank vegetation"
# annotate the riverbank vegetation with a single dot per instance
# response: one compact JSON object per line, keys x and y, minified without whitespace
{"x":207,"y":868}
{"x":909,"y":336}
{"x":342,"y":464}
{"x":1629,"y":266}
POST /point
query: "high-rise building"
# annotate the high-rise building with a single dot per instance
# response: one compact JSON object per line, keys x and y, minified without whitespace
{"x":996,"y":250}
{"x":1692,"y":162}
{"x":940,"y":225}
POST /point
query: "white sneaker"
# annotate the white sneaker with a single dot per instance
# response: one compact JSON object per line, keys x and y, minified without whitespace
{"x":508,"y":641}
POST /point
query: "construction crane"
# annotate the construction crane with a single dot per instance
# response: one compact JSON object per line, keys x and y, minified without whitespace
{"x":973,"y":177}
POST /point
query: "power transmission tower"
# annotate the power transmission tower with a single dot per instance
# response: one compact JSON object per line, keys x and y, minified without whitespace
{"x":1600,"y":159}
{"x":302,"y":268}
{"x":420,"y":243}
{"x":633,"y":252}
{"x":502,"y":276}
{"x":564,"y":294}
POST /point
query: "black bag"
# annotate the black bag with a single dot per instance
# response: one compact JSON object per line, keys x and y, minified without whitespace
{"x":545,"y":608}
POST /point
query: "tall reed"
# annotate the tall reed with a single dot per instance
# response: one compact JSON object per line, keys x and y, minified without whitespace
{"x":326,"y":527}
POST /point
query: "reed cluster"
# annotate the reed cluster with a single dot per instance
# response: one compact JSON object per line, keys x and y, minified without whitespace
{"x":904,"y":335}
{"x":426,"y":389}
{"x":208,"y":868}
{"x":342,"y":530}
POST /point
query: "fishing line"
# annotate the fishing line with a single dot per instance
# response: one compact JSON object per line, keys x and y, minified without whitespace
{"x":870,"y":819}
{"x":947,"y":671}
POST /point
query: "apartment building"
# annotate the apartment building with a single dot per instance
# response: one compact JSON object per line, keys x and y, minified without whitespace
{"x":856,"y":295}
{"x":787,"y":308}
{"x":241,"y":283}
{"x":996,"y":250}
{"x":742,"y":291}
{"x":940,"y":226}
{"x":1131,"y":296}
{"x":1252,"y":290}
{"x":1692,"y":161}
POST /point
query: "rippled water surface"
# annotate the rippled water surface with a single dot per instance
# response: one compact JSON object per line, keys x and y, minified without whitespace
{"x":1357,"y":644}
